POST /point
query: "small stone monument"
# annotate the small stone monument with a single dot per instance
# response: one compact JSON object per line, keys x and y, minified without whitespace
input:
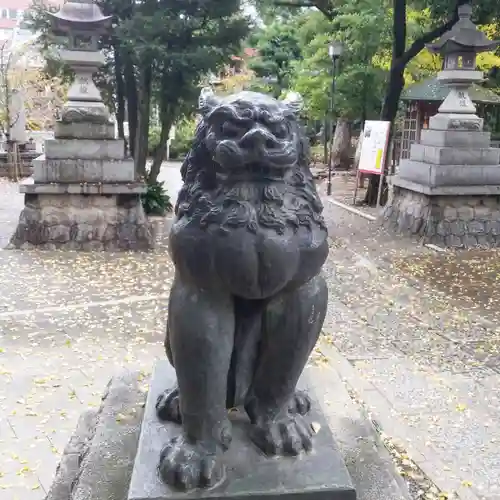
{"x":85,"y":195}
{"x":448,"y":191}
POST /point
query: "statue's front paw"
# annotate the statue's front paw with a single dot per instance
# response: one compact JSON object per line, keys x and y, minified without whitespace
{"x":186,"y":466}
{"x":168,"y":406}
{"x":286,"y":435}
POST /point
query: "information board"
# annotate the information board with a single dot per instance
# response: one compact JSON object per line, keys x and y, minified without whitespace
{"x":374,"y":147}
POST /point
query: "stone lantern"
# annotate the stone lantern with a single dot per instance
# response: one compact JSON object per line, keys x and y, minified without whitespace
{"x":448,"y":191}
{"x":82,"y":23}
{"x":459,"y":48}
{"x":86,"y":195}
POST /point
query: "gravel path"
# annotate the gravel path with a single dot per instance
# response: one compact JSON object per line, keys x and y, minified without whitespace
{"x":424,"y":363}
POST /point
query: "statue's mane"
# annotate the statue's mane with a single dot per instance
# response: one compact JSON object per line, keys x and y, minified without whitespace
{"x":201,"y":195}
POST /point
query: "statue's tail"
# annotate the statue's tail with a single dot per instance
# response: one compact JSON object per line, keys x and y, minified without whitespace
{"x":248,"y":314}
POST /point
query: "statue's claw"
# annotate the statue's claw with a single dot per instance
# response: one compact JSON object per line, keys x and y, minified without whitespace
{"x":300,"y":404}
{"x":286,"y":435}
{"x":186,"y":466}
{"x":167,"y":406}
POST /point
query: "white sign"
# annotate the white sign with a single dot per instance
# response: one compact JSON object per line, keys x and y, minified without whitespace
{"x":374,"y":147}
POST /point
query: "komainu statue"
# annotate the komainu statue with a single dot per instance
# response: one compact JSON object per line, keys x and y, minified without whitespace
{"x":248,"y":303}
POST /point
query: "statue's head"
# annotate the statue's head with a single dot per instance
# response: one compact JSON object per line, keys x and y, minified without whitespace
{"x":250,"y":132}
{"x":249,"y":151}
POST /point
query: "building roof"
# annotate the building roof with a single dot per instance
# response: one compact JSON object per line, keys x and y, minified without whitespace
{"x":433,"y":90}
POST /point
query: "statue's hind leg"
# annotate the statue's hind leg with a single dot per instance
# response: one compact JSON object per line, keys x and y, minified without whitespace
{"x":291,"y":327}
{"x":201,"y":333}
{"x":168,"y":404}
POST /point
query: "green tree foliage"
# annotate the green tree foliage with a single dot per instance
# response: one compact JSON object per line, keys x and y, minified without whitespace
{"x":159,"y":51}
{"x":359,"y":84}
{"x":278,"y":48}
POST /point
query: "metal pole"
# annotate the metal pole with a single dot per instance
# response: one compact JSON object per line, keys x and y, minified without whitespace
{"x":332,"y":109}
{"x":325,"y":140}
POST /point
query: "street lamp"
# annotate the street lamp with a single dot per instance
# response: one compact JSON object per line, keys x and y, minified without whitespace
{"x":335,"y":50}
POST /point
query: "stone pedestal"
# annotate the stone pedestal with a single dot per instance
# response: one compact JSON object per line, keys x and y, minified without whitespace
{"x":448,"y":192}
{"x":321,"y":475}
{"x":85,"y":196}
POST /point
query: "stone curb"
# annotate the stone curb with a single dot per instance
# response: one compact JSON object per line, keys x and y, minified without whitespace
{"x":104,"y":440}
{"x":384,"y":417}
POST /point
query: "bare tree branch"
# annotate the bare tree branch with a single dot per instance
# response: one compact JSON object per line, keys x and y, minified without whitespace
{"x":419,"y":44}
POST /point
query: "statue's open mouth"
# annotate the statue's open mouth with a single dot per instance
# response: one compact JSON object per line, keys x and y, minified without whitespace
{"x":257,"y":172}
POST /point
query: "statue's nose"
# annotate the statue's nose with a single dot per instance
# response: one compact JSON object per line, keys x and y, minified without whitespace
{"x":258,"y":136}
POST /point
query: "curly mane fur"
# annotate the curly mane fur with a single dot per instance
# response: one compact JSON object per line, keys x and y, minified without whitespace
{"x":265,"y":202}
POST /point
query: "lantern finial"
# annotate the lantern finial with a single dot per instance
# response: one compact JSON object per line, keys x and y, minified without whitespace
{"x":465,"y":11}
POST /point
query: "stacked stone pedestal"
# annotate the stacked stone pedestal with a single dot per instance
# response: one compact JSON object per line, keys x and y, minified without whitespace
{"x":85,"y":195}
{"x":448,"y":192}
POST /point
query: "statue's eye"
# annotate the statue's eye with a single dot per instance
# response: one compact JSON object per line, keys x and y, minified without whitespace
{"x":280,"y":131}
{"x":230,"y":131}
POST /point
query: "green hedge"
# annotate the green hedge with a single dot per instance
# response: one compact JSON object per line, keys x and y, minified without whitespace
{"x":184,"y":134}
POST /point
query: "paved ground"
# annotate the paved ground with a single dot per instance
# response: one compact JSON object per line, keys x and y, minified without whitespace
{"x":426,"y":367}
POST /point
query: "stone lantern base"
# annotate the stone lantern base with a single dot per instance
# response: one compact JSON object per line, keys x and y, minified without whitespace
{"x":85,"y":197}
{"x":454,"y":217}
{"x":448,"y":192}
{"x":83,"y":217}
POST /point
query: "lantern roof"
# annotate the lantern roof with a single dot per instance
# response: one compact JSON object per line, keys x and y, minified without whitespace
{"x":463,"y":37}
{"x":80,"y":14}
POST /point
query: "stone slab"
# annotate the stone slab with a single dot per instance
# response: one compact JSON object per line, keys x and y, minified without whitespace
{"x":106,"y":448}
{"x":440,"y":155}
{"x":84,"y":188}
{"x":449,"y":175}
{"x":105,"y":171}
{"x":319,"y":475}
{"x":397,"y":180}
{"x":84,"y":149}
{"x":84,"y":131}
{"x":455,"y":138}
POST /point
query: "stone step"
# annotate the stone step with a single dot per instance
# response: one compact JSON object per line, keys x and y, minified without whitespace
{"x":70,"y":170}
{"x":455,"y":138}
{"x":84,"y":149}
{"x":449,"y":175}
{"x":441,"y":155}
{"x":84,"y":130}
{"x":85,"y":188}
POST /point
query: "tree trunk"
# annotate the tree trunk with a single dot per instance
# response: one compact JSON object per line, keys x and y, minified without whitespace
{"x":144,"y":105}
{"x":341,"y":144}
{"x":389,"y":112}
{"x":132,"y":100}
{"x":120,"y":93}
{"x":166,"y":125}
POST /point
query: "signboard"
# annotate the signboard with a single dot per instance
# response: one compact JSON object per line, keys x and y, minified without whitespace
{"x":374,"y":147}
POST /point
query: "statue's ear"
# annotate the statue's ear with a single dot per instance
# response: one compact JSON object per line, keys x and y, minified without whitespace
{"x":294,"y":102}
{"x":207,"y":100}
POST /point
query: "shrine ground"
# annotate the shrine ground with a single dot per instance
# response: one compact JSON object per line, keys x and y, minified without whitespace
{"x":413,"y":333}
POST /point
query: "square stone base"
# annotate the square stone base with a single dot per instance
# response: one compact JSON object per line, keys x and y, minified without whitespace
{"x":449,"y":220}
{"x":320,"y":475}
{"x":83,"y":222}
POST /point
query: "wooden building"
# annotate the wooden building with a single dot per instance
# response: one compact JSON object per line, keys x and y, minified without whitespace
{"x":422,"y":100}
